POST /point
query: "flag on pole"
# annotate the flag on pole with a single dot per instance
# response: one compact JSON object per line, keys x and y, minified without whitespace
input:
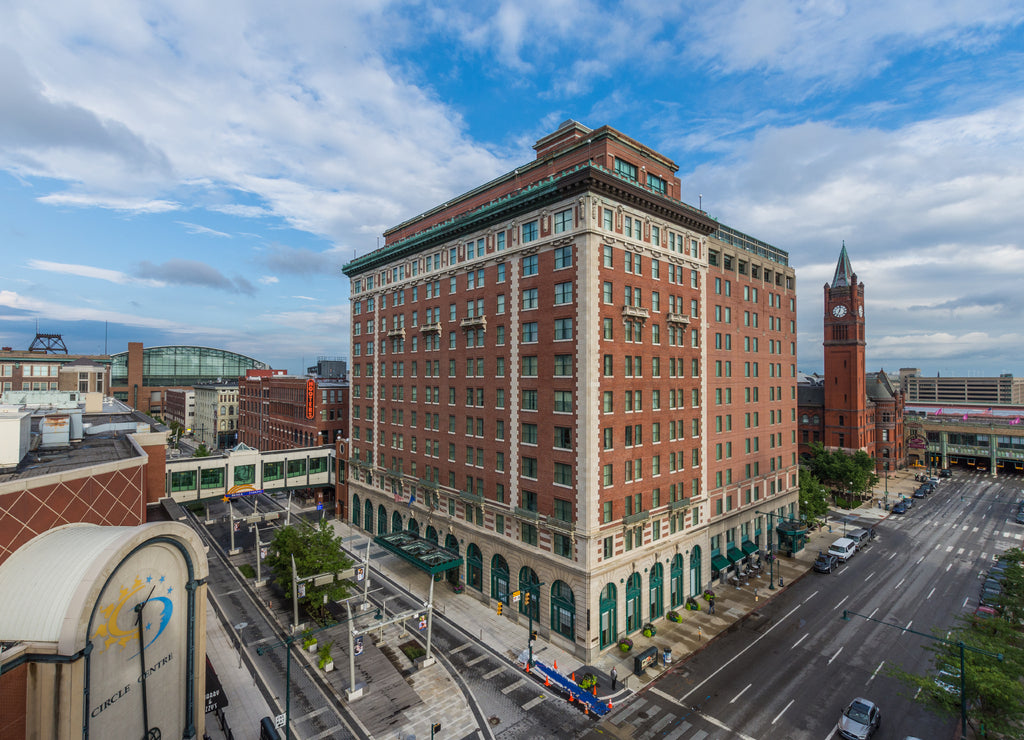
{"x":1016,"y":421}
{"x":939,"y":411}
{"x":412,"y":499}
{"x":965,"y":417}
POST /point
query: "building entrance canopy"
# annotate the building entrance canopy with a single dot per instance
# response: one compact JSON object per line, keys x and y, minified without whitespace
{"x":424,"y":554}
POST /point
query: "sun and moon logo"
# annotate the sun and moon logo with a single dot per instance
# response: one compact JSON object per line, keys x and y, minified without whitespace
{"x":110,"y":632}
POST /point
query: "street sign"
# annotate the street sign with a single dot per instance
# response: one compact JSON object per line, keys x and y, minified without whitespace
{"x":319,"y":507}
{"x":360,"y":573}
{"x":358,"y":645}
{"x":423,"y":622}
{"x":279,"y":720}
{"x":302,"y":590}
{"x":263,"y":551}
{"x":515,"y":597}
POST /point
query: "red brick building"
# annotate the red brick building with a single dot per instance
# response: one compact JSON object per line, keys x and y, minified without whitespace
{"x":849,"y":408}
{"x":103,"y":479}
{"x":280,"y":412}
{"x":571,"y":377}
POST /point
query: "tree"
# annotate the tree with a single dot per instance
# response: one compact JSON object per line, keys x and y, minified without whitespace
{"x":842,"y":472}
{"x":993,"y":688}
{"x":813,"y":500}
{"x":317,"y":550}
{"x":201,"y":451}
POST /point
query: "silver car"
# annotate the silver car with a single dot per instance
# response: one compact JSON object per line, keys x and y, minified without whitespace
{"x":860,"y":719}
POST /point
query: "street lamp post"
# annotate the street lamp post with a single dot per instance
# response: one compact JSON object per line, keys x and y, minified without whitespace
{"x":887,"y":484}
{"x":959,"y":644}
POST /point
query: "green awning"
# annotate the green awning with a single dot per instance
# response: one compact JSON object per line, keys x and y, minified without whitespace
{"x":734,"y":554}
{"x":424,"y":554}
{"x":748,"y":547}
{"x":719,"y":563}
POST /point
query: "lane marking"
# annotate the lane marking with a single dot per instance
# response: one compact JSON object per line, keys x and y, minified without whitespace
{"x":783,"y":711}
{"x":870,"y":576}
{"x":920,"y":560}
{"x":949,"y":548}
{"x":831,"y":733}
{"x":930,"y":594}
{"x":737,"y":655}
{"x":948,"y":567}
{"x":733,"y":700}
{"x":835,"y":656}
{"x":874,"y":612}
{"x":909,"y":623}
{"x":663,"y":694}
{"x":794,"y":645}
{"x":840,"y":602}
{"x":900,"y":583}
{"x":892,"y":556}
{"x":809,"y":598}
{"x":960,"y":551}
{"x":876,"y":671}
{"x":965,"y":602}
{"x":721,"y":725}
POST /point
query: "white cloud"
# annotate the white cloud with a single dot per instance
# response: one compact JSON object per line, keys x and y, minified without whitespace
{"x":98,"y":273}
{"x":198,"y":229}
{"x":113,"y":203}
{"x":268,"y":280}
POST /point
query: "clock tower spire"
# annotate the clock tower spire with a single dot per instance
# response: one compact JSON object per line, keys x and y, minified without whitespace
{"x":846,"y":422}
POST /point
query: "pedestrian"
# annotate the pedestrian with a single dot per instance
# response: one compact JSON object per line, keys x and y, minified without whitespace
{"x":711,"y":605}
{"x":615,"y":677}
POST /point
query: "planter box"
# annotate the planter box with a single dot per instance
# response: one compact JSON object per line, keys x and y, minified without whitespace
{"x":329,"y":666}
{"x":312,"y":648}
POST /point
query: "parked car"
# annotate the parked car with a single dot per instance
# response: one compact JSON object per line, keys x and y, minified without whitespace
{"x":985,"y":612}
{"x":826,"y":562}
{"x":859,"y":536}
{"x":860,"y":720}
{"x":899,"y":508}
{"x":946,"y":473}
{"x":933,"y":480}
{"x":920,"y":492}
{"x":908,"y":502}
{"x":1020,"y":513}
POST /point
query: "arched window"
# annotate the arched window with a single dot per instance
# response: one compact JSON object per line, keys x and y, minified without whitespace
{"x":563,"y":610}
{"x":804,"y":419}
{"x":528,"y":581}
{"x":609,"y":616}
{"x":382,"y":520}
{"x":655,"y":606}
{"x":413,"y":527}
{"x":817,"y":419}
{"x":356,"y":508}
{"x":676,"y":597}
{"x":431,"y":533}
{"x":368,"y":516}
{"x":451,"y":543}
{"x":696,"y":582}
{"x":474,"y":567}
{"x":396,"y":522}
{"x":633,"y":603}
{"x":499,"y":578}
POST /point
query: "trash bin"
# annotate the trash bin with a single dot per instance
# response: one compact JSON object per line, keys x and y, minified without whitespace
{"x":666,"y":656}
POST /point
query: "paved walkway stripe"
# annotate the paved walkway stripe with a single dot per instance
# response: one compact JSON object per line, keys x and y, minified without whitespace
{"x":513,"y":686}
{"x":638,"y":704}
{"x":663,"y":694}
{"x":660,"y":724}
{"x":491,"y":674}
{"x":459,"y":649}
{"x":476,"y":660}
{"x":533,"y":702}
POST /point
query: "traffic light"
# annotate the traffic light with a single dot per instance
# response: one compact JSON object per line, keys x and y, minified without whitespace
{"x":500,"y":605}
{"x":526,"y":599}
{"x":533,"y":635}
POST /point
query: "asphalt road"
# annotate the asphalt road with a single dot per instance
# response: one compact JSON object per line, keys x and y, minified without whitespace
{"x":789,"y":669}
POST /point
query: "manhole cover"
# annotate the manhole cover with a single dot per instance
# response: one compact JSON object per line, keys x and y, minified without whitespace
{"x":494,"y":721}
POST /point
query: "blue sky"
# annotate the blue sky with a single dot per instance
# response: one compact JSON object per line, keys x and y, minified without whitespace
{"x":198,"y":173}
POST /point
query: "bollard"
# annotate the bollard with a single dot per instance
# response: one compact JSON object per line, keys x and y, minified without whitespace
{"x":755,"y":594}
{"x":556,"y":665}
{"x":595,"y":689}
{"x":609,"y":706}
{"x":547,"y":681}
{"x":574,"y":676}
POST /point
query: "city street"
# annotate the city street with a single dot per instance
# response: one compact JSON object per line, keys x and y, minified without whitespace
{"x":788,"y":670}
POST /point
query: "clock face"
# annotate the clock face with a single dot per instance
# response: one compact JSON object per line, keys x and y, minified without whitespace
{"x":839,"y":311}
{"x":860,"y":311}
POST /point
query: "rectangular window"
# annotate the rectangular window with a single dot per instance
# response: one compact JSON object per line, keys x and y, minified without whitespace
{"x":530,"y":366}
{"x":529,"y":432}
{"x":529,"y":400}
{"x":530,"y":265}
{"x":563,"y":438}
{"x":563,"y":256}
{"x":529,"y":298}
{"x":563,"y":293}
{"x":563,"y":365}
{"x":563,"y":474}
{"x":656,"y":184}
{"x":529,"y":470}
{"x":625,"y":169}
{"x":563,"y":402}
{"x":563,"y":329}
{"x":529,"y":332}
{"x":563,"y":220}
{"x":530,"y":233}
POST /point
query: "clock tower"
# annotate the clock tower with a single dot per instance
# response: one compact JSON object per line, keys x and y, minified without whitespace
{"x":846,"y":417}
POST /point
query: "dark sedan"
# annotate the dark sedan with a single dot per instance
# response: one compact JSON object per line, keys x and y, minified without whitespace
{"x":900,"y":508}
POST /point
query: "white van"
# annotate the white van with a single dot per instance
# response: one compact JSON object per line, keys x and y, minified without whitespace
{"x":843,"y":548}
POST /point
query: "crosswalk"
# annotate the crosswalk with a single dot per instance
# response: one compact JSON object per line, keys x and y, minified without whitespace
{"x":645,"y":719}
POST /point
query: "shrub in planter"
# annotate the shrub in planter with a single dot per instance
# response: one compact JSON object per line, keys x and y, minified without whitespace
{"x":587,"y":681}
{"x":650,"y":630}
{"x":625,"y":644}
{"x":325,"y":661}
{"x":459,"y":588}
{"x":674,"y":616}
{"x":308,"y":641}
